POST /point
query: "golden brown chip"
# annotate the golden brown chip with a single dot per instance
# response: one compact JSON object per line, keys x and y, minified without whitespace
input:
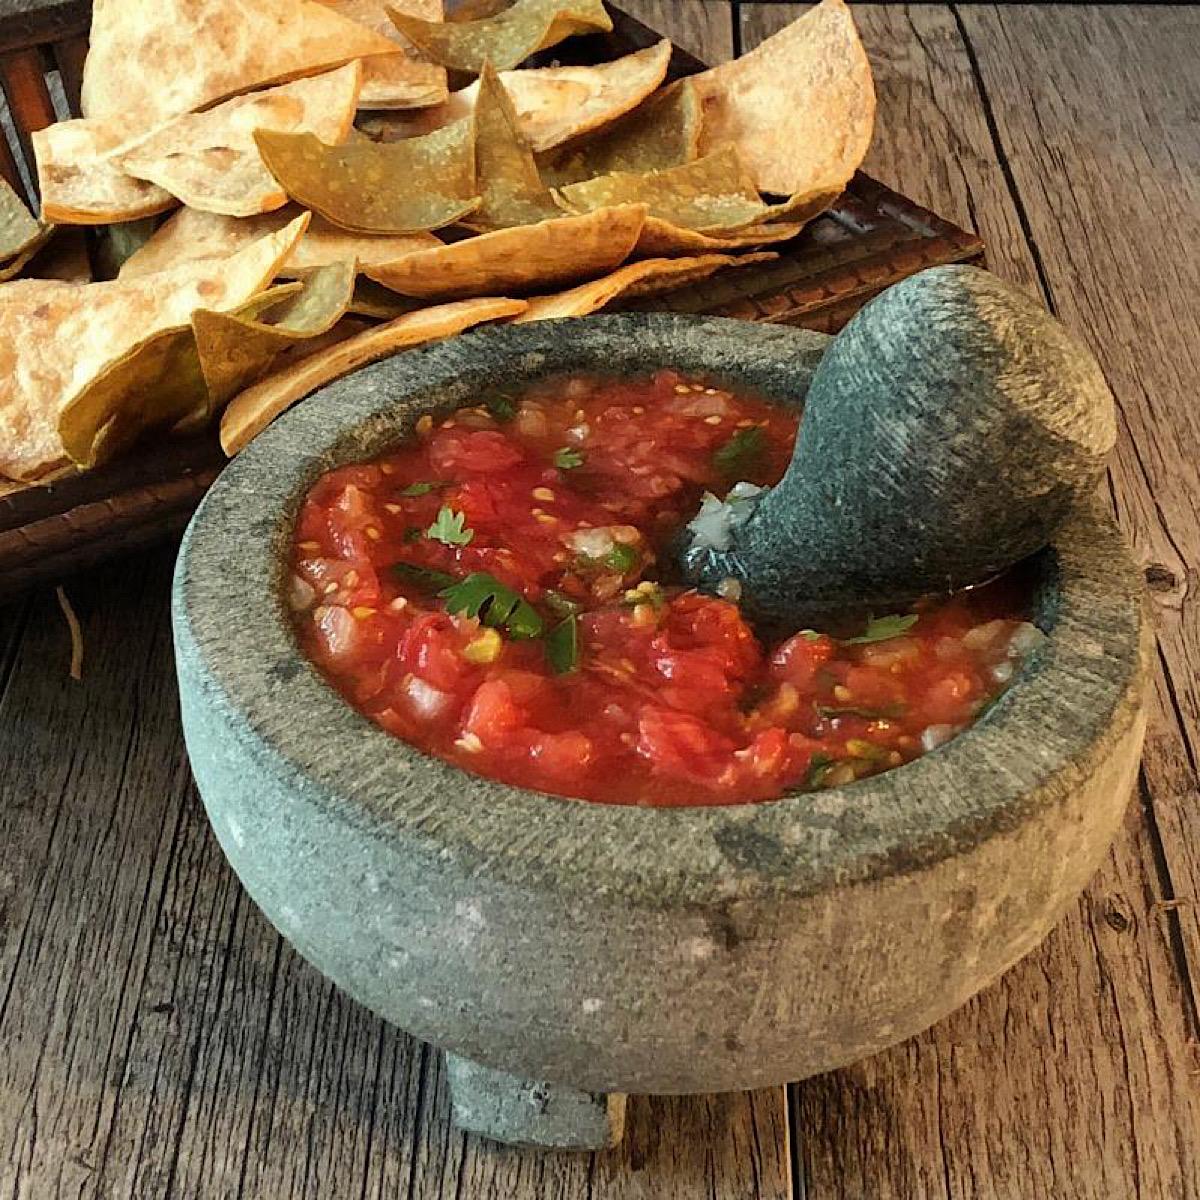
{"x":14,"y":266}
{"x":506,"y":176}
{"x":505,"y":39}
{"x":661,"y":237}
{"x":711,"y":195}
{"x":661,"y":133}
{"x":251,"y":412}
{"x":553,"y":104}
{"x":372,"y":299}
{"x":191,"y":235}
{"x":799,"y":107}
{"x":19,"y":230}
{"x":524,"y":258}
{"x":81,"y":181}
{"x":402,"y":187}
{"x":209,"y":160}
{"x":153,"y":59}
{"x":55,"y":338}
{"x":633,"y":279}
{"x":237,"y":349}
{"x":395,"y":81}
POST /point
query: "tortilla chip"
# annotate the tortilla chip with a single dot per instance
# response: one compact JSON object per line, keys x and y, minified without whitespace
{"x":662,"y":238}
{"x":56,"y":338}
{"x":191,"y":236}
{"x":664,"y":132}
{"x":235,"y":350}
{"x":14,"y":266}
{"x":209,"y":160}
{"x":710,"y":194}
{"x":633,"y":279}
{"x":505,"y":39}
{"x":154,"y":59}
{"x":525,"y":258}
{"x":251,"y":412}
{"x":372,"y":299}
{"x":799,"y":107}
{"x":395,"y":80}
{"x":81,"y":181}
{"x":403,"y":187}
{"x":19,"y":229}
{"x":506,"y":176}
{"x":552,"y":104}
{"x":158,"y":384}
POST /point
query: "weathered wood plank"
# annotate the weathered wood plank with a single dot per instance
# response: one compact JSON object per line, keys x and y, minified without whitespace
{"x":1072,"y":1075}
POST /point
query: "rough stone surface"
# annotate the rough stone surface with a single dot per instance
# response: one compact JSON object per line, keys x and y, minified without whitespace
{"x":528,"y":1112}
{"x":615,"y":949}
{"x":948,"y":431}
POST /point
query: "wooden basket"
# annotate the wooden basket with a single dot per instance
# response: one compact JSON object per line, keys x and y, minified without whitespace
{"x":871,"y":239}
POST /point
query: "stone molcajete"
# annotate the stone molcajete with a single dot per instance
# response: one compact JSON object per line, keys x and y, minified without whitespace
{"x":565,"y":953}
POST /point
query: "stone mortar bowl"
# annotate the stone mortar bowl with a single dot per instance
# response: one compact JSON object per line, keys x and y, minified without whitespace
{"x":565,"y":953}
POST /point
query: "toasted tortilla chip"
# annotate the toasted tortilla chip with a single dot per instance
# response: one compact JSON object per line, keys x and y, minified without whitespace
{"x":55,"y":338}
{"x":158,"y":384}
{"x":15,"y":265}
{"x":524,"y":258}
{"x":81,"y":181}
{"x":633,"y":279}
{"x":506,"y":176}
{"x":372,"y":299}
{"x":660,"y":237}
{"x":154,"y":59}
{"x":800,"y":107}
{"x":403,"y":187}
{"x":553,"y":104}
{"x":712,"y":194}
{"x":251,"y":412}
{"x":505,"y":39}
{"x":210,"y":161}
{"x":19,"y":229}
{"x":191,"y":236}
{"x":661,"y":133}
{"x":395,"y":80}
{"x":235,"y":350}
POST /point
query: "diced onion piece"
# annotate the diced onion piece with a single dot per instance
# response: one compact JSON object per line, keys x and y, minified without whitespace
{"x":934,"y":736}
{"x":300,"y":594}
{"x":1024,"y":640}
{"x":424,"y":699}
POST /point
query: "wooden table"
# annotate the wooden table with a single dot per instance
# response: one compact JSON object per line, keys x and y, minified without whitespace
{"x":158,"y":1039}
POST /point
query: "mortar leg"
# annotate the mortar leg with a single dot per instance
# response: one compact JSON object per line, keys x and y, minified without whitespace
{"x":523,"y":1112}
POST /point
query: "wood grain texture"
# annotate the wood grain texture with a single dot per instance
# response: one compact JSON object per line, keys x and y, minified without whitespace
{"x":1075,"y":1075}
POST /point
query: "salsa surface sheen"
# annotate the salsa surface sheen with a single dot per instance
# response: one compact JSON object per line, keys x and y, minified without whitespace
{"x":486,"y":592}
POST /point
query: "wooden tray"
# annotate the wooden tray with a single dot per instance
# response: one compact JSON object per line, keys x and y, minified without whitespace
{"x":871,"y":239}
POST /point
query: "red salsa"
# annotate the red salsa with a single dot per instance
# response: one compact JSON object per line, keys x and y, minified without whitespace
{"x":488,"y":592}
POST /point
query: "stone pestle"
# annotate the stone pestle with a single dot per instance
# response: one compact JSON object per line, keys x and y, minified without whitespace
{"x":947,"y":432}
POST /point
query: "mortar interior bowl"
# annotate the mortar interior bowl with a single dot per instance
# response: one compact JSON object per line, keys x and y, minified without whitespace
{"x":599,"y":949}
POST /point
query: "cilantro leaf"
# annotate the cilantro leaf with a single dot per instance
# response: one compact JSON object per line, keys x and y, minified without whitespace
{"x":422,"y":577}
{"x":424,"y":488}
{"x":449,"y":528}
{"x":818,"y":767}
{"x":741,"y":452}
{"x":501,"y":407}
{"x":883,"y":629}
{"x":567,"y":458}
{"x":483,"y":596}
{"x":621,"y":557}
{"x":562,"y":646}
